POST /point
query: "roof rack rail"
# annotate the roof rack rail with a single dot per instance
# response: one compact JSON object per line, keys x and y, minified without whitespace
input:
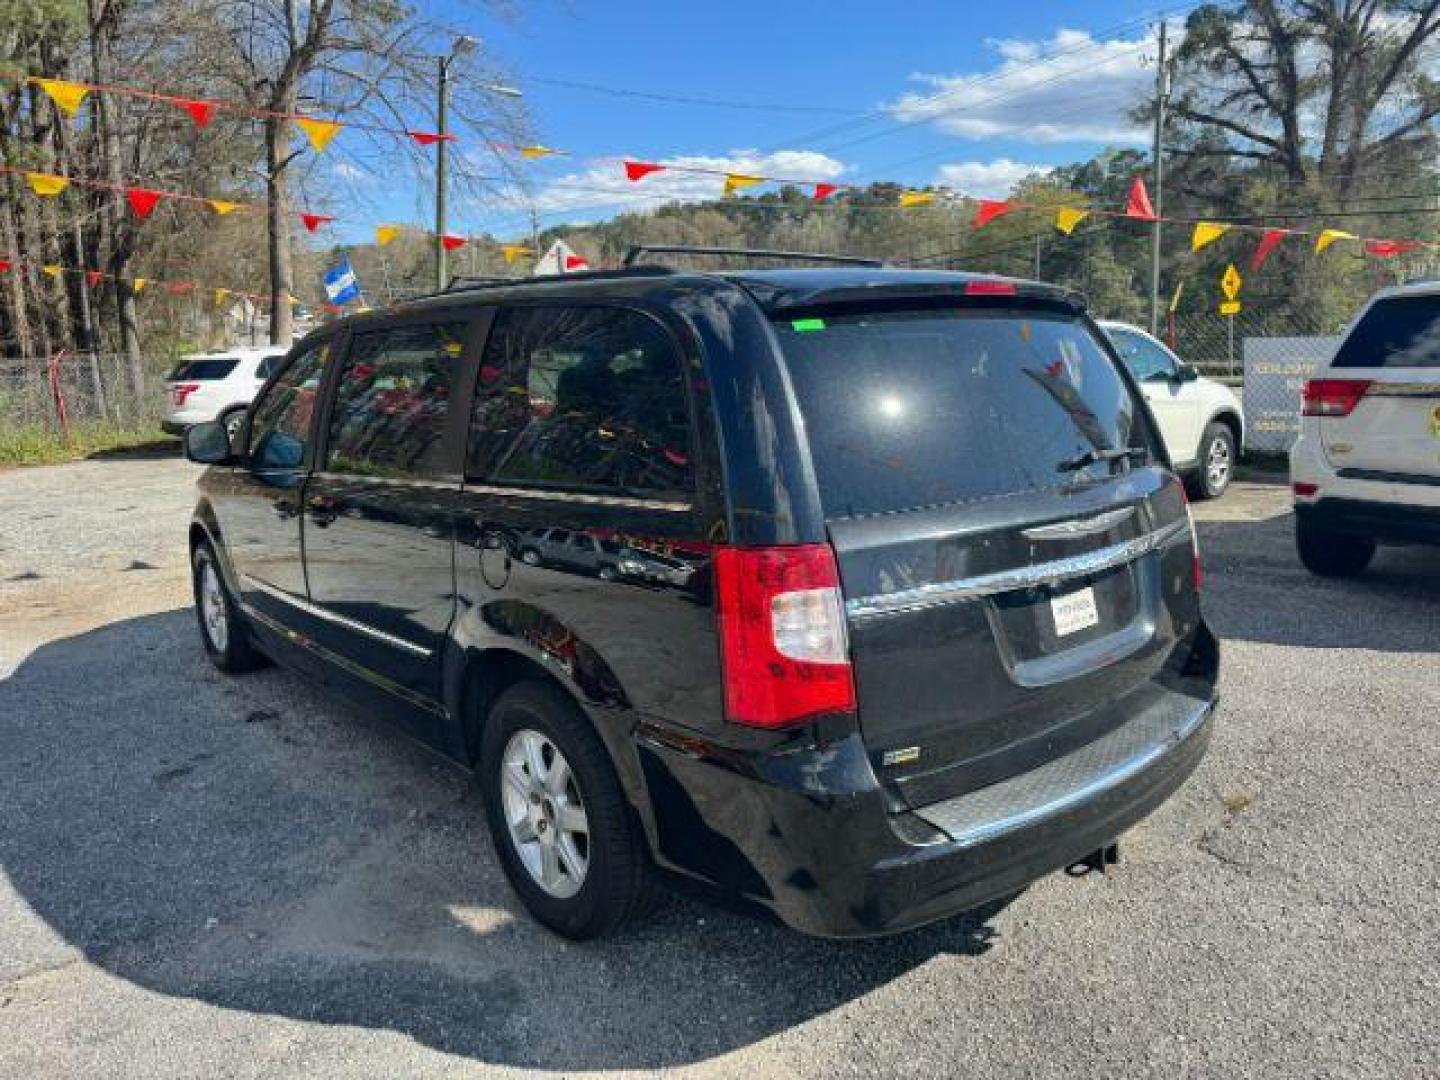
{"x":478,"y":281}
{"x":472,"y":283}
{"x":757,"y":253}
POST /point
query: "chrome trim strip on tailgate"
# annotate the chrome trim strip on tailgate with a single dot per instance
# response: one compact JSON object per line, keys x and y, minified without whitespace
{"x":1066,"y":782}
{"x":1066,"y":530}
{"x":1022,"y":577}
{"x":1398,"y":389}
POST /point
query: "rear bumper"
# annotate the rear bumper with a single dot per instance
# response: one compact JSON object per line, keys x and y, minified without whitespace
{"x":174,"y":427}
{"x":838,"y":864}
{"x":1384,"y":521}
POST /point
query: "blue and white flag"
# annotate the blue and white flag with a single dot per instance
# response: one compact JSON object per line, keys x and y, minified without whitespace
{"x":341,"y":284}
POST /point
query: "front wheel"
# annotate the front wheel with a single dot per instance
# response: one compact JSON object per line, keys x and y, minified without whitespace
{"x":558,"y":817}
{"x":222,"y":630}
{"x":1331,"y":554}
{"x":1217,"y":461}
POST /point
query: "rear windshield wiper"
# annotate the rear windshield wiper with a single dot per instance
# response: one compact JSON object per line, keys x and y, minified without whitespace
{"x":1094,"y":457}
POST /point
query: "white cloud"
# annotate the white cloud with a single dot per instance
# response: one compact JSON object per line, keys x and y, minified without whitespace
{"x":987,"y":179}
{"x":1071,"y":88}
{"x":605,"y":182}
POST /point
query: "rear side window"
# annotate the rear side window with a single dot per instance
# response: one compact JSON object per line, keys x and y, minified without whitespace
{"x":586,"y":398}
{"x":210,"y":367}
{"x":280,"y":425}
{"x":392,"y":401}
{"x":916,"y":408}
{"x":1400,"y":331}
{"x":268,"y":366}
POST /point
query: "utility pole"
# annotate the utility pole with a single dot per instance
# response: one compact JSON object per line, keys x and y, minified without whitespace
{"x":1162,"y":95}
{"x":442,"y":271}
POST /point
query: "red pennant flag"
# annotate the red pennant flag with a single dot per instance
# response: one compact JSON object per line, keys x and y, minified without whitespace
{"x":989,"y":210}
{"x":314,"y":221}
{"x":450,"y":243}
{"x":92,"y":277}
{"x":575,"y":262}
{"x":4,"y":265}
{"x":824,"y":191}
{"x":1268,"y":242}
{"x":1138,"y":205}
{"x":202,"y":112}
{"x":429,"y":138}
{"x":142,"y":200}
{"x":178,"y":288}
{"x":1388,"y":249}
{"x":638,"y":170}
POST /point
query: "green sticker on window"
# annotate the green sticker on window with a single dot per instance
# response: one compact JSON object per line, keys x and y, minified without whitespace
{"x":803,"y":325}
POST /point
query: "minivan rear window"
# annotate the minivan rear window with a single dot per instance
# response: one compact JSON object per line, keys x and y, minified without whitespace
{"x":209,"y":367}
{"x":910,"y":408}
{"x":1399,"y":331}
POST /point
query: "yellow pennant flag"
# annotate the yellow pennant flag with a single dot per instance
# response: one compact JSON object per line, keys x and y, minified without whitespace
{"x":318,"y":132}
{"x":1067,"y":217}
{"x":530,"y":153}
{"x":220,"y":295}
{"x":917,"y":198}
{"x":138,"y":285}
{"x":220,"y":206}
{"x":1206,"y":232}
{"x":1329,"y":236}
{"x":385,"y":233}
{"x":514,"y":251}
{"x":51,"y":270}
{"x":735,"y":181}
{"x":67,"y":96}
{"x":45,"y":184}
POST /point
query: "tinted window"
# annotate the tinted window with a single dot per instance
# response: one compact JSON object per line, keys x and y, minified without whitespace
{"x":211,"y":367}
{"x":1403,"y":331}
{"x":1144,"y":358}
{"x":916,"y":408}
{"x":392,"y":399}
{"x":280,"y":428}
{"x":581,"y":398}
{"x":269,"y":366}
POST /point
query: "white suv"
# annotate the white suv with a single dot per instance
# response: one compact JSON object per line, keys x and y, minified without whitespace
{"x":218,"y":386}
{"x":1199,"y":419}
{"x":1366,"y":467}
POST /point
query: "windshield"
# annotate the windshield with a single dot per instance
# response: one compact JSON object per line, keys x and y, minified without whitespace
{"x":916,"y":408}
{"x":208,"y":367}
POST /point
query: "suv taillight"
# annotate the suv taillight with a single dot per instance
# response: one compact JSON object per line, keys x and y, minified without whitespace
{"x":1333,"y":397}
{"x":183,"y":390}
{"x":783,"y":644}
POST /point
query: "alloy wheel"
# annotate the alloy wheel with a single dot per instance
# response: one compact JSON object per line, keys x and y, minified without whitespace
{"x":1217,"y":464}
{"x":212,"y":607}
{"x":545,"y":813}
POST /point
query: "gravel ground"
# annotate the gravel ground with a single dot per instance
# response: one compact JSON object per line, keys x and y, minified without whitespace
{"x":237,"y":877}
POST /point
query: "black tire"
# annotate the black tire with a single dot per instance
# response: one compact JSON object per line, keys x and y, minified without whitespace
{"x":618,"y":883}
{"x":1331,"y":554}
{"x":609,"y":573}
{"x":1217,"y":462}
{"x":231,"y":650}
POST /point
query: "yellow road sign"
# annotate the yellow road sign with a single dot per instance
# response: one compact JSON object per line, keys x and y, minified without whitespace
{"x":1231,"y":282}
{"x":1230,"y":307}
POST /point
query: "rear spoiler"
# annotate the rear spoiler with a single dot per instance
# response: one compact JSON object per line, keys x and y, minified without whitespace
{"x":970,"y":290}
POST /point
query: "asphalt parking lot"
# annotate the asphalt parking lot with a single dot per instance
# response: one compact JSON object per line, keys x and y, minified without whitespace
{"x":239,"y":877}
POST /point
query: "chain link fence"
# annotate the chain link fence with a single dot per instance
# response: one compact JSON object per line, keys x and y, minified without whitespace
{"x":43,"y":399}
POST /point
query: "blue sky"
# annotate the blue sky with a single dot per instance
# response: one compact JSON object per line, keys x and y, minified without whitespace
{"x":967,"y":93}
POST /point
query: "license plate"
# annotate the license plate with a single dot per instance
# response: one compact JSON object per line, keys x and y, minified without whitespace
{"x":1074,"y":611}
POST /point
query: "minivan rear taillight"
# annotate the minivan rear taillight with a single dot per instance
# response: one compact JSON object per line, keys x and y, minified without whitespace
{"x":1332,"y":397}
{"x":783,"y":644}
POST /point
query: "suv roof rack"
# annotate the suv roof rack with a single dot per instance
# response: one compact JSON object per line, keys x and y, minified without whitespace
{"x":757,"y":253}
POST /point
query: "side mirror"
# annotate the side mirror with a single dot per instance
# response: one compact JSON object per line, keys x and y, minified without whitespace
{"x":1185,"y":373}
{"x":207,"y":443}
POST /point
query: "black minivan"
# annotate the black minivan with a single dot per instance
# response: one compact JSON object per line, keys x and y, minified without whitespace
{"x":911,"y":612}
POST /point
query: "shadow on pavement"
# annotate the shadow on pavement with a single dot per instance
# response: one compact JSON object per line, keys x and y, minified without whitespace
{"x":250,"y":844}
{"x":1257,"y":590}
{"x":148,"y":451}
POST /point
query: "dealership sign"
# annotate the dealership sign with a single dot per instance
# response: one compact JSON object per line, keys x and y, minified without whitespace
{"x":1275,"y":372}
